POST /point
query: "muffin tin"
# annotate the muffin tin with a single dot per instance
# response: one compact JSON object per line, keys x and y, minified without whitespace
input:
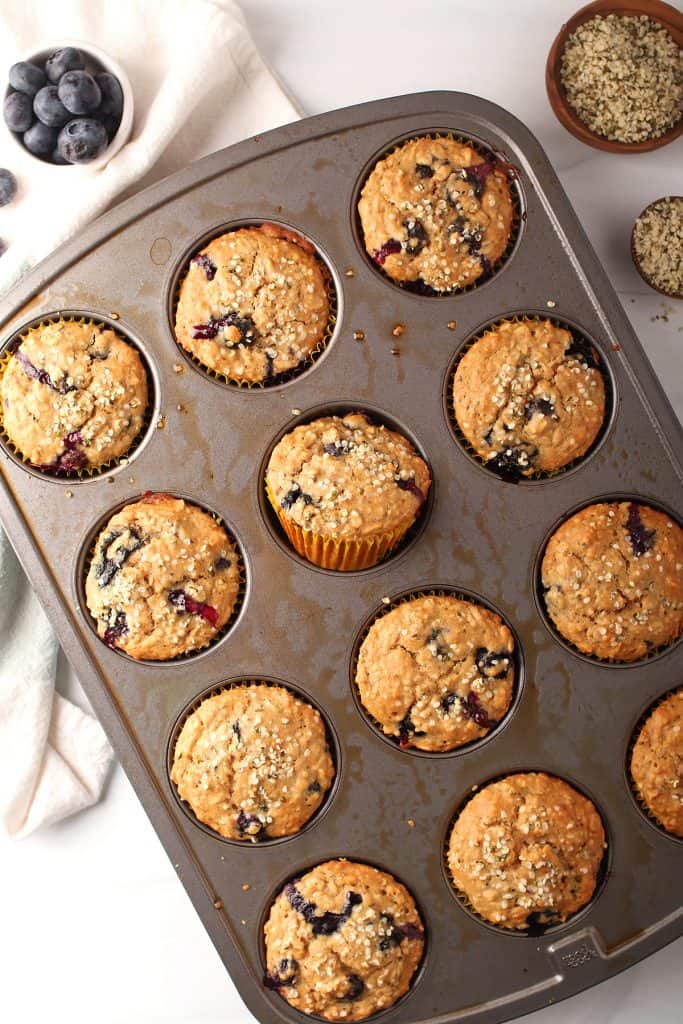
{"x":300,"y":625}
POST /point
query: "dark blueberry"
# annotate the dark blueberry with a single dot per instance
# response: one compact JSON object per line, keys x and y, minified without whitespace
{"x":48,"y":107}
{"x":72,"y":458}
{"x":417,"y":236}
{"x":116,"y":629}
{"x":111,"y":124}
{"x":355,"y":990}
{"x":511,"y":463}
{"x":79,"y":92}
{"x":206,"y":263}
{"x":314,"y":787}
{"x":410,"y":485}
{"x":82,"y":140}
{"x":472,"y":708}
{"x":223,"y":563}
{"x":245,"y":326}
{"x":8,"y":186}
{"x":237,"y":731}
{"x":492,"y":664}
{"x":111,"y":104}
{"x":447,"y":702}
{"x":284,"y":974}
{"x":640,"y":539}
{"x":398,"y":932}
{"x":323,"y":924}
{"x":538,"y":405}
{"x":26,"y":77}
{"x":406,"y":732}
{"x":581,"y":349}
{"x":441,"y":651}
{"x":294,"y":494}
{"x":387,"y":249}
{"x":41,"y":375}
{"x":58,"y":159}
{"x":182,"y":602}
{"x":478,"y":173}
{"x":40,"y":140}
{"x":111,"y":564}
{"x":61,"y":61}
{"x":485,"y":263}
{"x":250,"y":825}
{"x":18,"y":111}
{"x":539,"y":920}
{"x":424,"y":171}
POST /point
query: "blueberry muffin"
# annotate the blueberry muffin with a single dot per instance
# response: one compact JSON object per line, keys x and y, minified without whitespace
{"x":612,"y":580}
{"x":346,"y":489}
{"x":526,"y":851}
{"x":529,"y":397}
{"x":74,"y":396}
{"x":253,"y":304}
{"x":253,"y":762}
{"x":436,"y":672}
{"x":436,"y":214}
{"x":657,"y":763}
{"x":343,"y":941}
{"x":164,"y":578}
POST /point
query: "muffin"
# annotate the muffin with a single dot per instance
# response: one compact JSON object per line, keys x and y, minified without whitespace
{"x":164,"y":578}
{"x":253,"y":762}
{"x":343,"y":941}
{"x":526,"y":851}
{"x":74,"y":396}
{"x":253,"y":304}
{"x":529,"y":397}
{"x":346,"y":489}
{"x":436,"y":214}
{"x":612,"y":580}
{"x":657,"y":763}
{"x":436,"y":672}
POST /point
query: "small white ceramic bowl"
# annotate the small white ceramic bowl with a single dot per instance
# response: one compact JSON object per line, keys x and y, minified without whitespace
{"x":96,"y":60}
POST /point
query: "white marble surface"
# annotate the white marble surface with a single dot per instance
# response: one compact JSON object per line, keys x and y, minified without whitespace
{"x":94,"y":923}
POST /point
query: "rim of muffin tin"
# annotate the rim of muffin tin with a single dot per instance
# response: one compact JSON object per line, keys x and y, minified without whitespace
{"x":484,"y":149}
{"x":292,"y":876}
{"x":604,"y":368}
{"x":537,"y":583}
{"x":86,"y":551}
{"x":640,"y":805}
{"x":535,"y":931}
{"x":333,"y":744}
{"x":438,"y":590}
{"x":378,"y":416}
{"x":281,"y":380}
{"x":152,"y":412}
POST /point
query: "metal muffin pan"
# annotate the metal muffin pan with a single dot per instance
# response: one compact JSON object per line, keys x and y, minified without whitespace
{"x":298,"y":624}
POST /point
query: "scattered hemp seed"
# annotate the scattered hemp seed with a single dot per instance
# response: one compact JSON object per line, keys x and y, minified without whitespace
{"x":68,"y":494}
{"x":217,"y":904}
{"x":115,"y":316}
{"x":180,"y":408}
{"x":123,"y":462}
{"x":246,"y":887}
{"x":395,"y":351}
{"x":623,"y":76}
{"x":359,"y":335}
{"x":178,"y":368}
{"x":411,"y":823}
{"x":161,"y":423}
{"x":398,"y":330}
{"x":349,"y":272}
{"x":131,"y":479}
{"x":658,"y":246}
{"x":295,"y":412}
{"x":386,"y":600}
{"x":452,"y":324}
{"x":551,"y":304}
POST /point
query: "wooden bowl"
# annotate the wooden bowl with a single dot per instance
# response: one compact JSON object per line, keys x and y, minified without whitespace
{"x":665,"y":14}
{"x":636,"y":264}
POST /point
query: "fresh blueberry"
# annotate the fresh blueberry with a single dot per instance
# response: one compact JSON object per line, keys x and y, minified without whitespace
{"x":26,"y":77}
{"x":387,"y":249}
{"x":57,"y":158}
{"x":322,"y":924}
{"x":206,"y":263}
{"x":417,"y":236}
{"x":640,"y":539}
{"x":18,"y":112}
{"x":111,"y":103}
{"x":79,"y":92}
{"x":82,"y":140}
{"x":110,"y":124}
{"x":40,"y":140}
{"x":61,"y":61}
{"x":48,"y":107}
{"x":8,"y":186}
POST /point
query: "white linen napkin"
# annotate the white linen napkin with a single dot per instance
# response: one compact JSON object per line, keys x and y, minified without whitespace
{"x":199,"y":84}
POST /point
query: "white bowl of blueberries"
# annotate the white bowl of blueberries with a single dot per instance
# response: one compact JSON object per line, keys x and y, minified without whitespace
{"x":69,"y":107}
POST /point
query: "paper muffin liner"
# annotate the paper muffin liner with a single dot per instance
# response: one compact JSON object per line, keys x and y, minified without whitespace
{"x":531,"y":931}
{"x":419,"y":287}
{"x":219,"y":633}
{"x":633,"y":785}
{"x":287,"y":375}
{"x":88,"y":472}
{"x":414,"y":595}
{"x":234,"y":684}
{"x":537,"y":474}
{"x":341,"y":555}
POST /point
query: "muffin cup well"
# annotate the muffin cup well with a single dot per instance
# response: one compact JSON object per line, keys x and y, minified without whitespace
{"x":89,"y":472}
{"x":486,"y":152}
{"x":577,"y":333}
{"x":634,"y":792}
{"x":281,"y":379}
